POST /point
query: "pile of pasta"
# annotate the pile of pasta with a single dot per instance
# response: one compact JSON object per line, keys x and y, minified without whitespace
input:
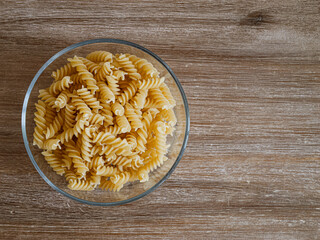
{"x":104,"y":120}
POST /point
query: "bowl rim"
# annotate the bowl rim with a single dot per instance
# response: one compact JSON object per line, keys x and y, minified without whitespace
{"x":67,"y":49}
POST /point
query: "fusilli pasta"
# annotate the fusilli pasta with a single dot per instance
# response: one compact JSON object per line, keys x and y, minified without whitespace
{"x":104,"y":121}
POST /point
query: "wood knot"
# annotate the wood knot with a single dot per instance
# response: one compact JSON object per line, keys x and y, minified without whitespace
{"x":256,"y":18}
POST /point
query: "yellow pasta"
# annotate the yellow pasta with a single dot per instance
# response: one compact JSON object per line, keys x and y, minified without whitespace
{"x":128,"y":92}
{"x":39,"y":135}
{"x":113,"y":85}
{"x":81,"y":106}
{"x":104,"y":120}
{"x":132,"y":139}
{"x":80,"y":185}
{"x":85,"y":75}
{"x":145,"y":68}
{"x":91,"y":66}
{"x":106,"y":94}
{"x":54,"y":126}
{"x":159,"y":98}
{"x":104,"y":71}
{"x":117,"y":109}
{"x":96,"y":119}
{"x":47,"y":97}
{"x":143,"y":132}
{"x":51,"y":144}
{"x":123,"y":124}
{"x":106,"y":113}
{"x":114,"y":130}
{"x":89,"y":99}
{"x":133,"y":117}
{"x":86,"y":145}
{"x":65,"y":70}
{"x":106,"y":171}
{"x":167,"y":93}
{"x":61,"y":100}
{"x":128,"y":66}
{"x":60,"y":85}
{"x":54,"y":162}
{"x":69,"y":116}
{"x":150,"y":83}
{"x":100,"y":56}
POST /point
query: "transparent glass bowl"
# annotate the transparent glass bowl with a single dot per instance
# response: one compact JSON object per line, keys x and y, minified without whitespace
{"x":131,"y":191}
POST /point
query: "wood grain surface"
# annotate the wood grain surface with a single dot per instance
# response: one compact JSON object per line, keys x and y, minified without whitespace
{"x":251,"y":73}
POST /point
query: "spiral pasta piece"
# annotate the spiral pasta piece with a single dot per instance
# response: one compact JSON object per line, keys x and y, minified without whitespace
{"x":150,"y":103}
{"x":82,"y":185}
{"x":81,"y":106}
{"x":38,"y":135}
{"x":117,"y":109}
{"x":69,"y":174}
{"x":95,"y":163}
{"x":119,"y":75}
{"x":143,"y":132}
{"x":61,"y":100}
{"x":89,"y":99}
{"x":127,"y":66}
{"x":69,"y":117}
{"x":128,"y":93}
{"x":161,"y":101}
{"x":106,"y":171}
{"x":123,"y":161}
{"x":108,"y":185}
{"x":132,"y":140}
{"x":145,"y":68}
{"x":55,"y":126}
{"x":123,"y":124}
{"x":104,"y":138}
{"x":169,"y":116}
{"x":75,"y":154}
{"x":104,"y":71}
{"x":100,"y":56}
{"x":150,"y":83}
{"x":84,"y":74}
{"x":121,"y":178}
{"x":76,"y":80}
{"x":65,"y":70}
{"x":167,"y":93}
{"x":91,"y":66}
{"x":109,"y":151}
{"x":47,"y":97}
{"x":143,"y":175}
{"x":96,"y":118}
{"x":80,"y":125}
{"x":60,"y":85}
{"x":138,"y":101}
{"x":132,"y":117}
{"x":67,"y":161}
{"x":160,"y":136}
{"x":136,"y":163}
{"x":113,"y":85}
{"x":54,"y":162}
{"x":153,"y":164}
{"x":106,"y":113}
{"x":94,"y":179}
{"x":106,"y":95}
{"x":114,"y":130}
{"x":86,"y":145}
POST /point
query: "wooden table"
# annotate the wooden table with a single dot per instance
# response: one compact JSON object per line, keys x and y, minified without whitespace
{"x":251,"y":73}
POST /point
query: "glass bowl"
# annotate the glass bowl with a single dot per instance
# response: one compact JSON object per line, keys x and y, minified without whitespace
{"x":131,"y":191}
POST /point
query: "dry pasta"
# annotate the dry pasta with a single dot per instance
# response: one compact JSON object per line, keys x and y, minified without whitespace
{"x":104,"y":121}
